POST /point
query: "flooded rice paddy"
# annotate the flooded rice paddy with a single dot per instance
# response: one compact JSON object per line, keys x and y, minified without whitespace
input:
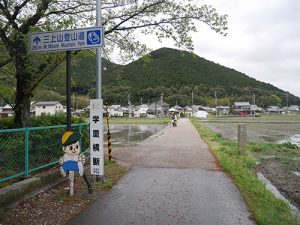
{"x":279,"y":166}
{"x":260,"y":132}
{"x":131,"y":134}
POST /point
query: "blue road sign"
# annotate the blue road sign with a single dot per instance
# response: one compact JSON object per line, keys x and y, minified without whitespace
{"x":36,"y":40}
{"x":66,"y":40}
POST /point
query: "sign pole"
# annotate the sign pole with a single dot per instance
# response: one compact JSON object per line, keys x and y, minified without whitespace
{"x":99,"y":178}
{"x":98,"y":54}
{"x":68,"y":89}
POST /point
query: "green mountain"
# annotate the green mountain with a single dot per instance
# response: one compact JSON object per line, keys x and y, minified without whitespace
{"x":176,"y":74}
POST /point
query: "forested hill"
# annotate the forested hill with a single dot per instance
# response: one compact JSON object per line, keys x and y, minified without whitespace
{"x":176,"y":74}
{"x":174,"y":68}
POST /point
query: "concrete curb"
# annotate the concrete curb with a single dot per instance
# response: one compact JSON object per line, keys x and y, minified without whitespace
{"x":25,"y":189}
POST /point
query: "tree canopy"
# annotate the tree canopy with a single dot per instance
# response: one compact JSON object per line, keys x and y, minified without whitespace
{"x":120,"y":19}
{"x":175,"y":73}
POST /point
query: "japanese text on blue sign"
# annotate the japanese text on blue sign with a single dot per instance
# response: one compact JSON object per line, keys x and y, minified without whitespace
{"x":66,"y":40}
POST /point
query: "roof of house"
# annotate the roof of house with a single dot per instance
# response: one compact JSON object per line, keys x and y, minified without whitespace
{"x":47,"y":103}
{"x":177,"y":107}
{"x":242,"y":104}
{"x":273,"y":107}
{"x":157,"y":105}
{"x":7,"y":106}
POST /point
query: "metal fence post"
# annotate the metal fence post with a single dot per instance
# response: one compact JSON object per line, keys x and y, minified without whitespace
{"x":80,"y":131}
{"x":26,"y":152}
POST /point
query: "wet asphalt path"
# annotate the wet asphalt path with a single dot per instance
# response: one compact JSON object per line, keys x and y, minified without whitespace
{"x":173,"y":180}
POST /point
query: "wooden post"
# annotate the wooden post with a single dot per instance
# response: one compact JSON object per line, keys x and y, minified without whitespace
{"x":242,"y":136}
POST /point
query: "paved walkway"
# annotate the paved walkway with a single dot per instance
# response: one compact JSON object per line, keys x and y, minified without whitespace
{"x":174,"y":180}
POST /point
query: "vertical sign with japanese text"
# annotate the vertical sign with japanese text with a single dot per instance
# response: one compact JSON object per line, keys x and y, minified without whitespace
{"x":96,"y":137}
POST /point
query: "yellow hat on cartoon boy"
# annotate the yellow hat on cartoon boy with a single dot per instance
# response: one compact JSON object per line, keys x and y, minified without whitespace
{"x":69,"y":137}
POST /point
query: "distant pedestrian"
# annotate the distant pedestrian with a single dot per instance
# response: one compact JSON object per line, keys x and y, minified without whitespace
{"x":174,"y":120}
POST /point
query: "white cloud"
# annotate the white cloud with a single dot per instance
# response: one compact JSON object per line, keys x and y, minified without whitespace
{"x":262,"y":40}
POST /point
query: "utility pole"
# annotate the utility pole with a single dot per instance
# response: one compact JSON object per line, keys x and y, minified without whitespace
{"x":216,"y":103}
{"x":192,"y":103}
{"x":129,"y":107}
{"x":99,"y":81}
{"x":68,"y":88}
{"x":73,"y":102}
{"x":254,"y":106}
{"x":161,"y":103}
{"x":287,"y":102}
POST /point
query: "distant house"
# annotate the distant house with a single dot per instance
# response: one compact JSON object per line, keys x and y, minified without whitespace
{"x":172,"y":110}
{"x":158,"y":109}
{"x":188,"y":111}
{"x":177,"y":107}
{"x":140,"y":111}
{"x":293,"y":108}
{"x":201,"y":114}
{"x":223,"y":109}
{"x":255,"y":108}
{"x":273,"y":109}
{"x":115,"y":110}
{"x":48,"y":107}
{"x":206,"y":109}
{"x":242,"y":107}
{"x":7,"y":110}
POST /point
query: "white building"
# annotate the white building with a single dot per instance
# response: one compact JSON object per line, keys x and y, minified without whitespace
{"x":201,"y":114}
{"x":7,"y":110}
{"x":293,"y":108}
{"x":273,"y":109}
{"x":115,"y":110}
{"x":48,"y":107}
{"x":141,"y":111}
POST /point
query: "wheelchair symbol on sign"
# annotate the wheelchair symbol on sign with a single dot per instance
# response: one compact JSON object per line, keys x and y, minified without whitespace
{"x":93,"y":37}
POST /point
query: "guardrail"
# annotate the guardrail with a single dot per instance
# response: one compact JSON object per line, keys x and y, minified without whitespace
{"x":26,"y":150}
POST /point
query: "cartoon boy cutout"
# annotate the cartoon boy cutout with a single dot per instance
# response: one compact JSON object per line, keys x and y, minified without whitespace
{"x":72,"y":160}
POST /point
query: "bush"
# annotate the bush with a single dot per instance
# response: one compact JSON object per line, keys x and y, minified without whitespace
{"x":40,"y":121}
{"x":48,"y":120}
{"x":7,"y":123}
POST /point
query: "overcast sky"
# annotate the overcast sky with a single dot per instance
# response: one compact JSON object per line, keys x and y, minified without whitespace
{"x":263,"y":40}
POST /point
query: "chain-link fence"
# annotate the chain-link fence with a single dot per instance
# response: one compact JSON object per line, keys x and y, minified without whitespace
{"x":25,"y":150}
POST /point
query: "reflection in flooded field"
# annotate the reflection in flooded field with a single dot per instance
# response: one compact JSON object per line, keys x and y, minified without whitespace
{"x":130,"y":134}
{"x":260,"y":132}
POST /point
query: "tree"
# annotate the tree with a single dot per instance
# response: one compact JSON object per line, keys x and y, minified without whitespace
{"x":275,"y":100}
{"x":271,"y":100}
{"x":121,"y":19}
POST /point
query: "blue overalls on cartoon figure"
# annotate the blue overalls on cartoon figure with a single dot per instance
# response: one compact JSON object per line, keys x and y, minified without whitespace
{"x":72,"y":160}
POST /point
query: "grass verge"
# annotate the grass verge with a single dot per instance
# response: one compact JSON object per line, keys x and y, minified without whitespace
{"x":265,"y":207}
{"x":113,"y":173}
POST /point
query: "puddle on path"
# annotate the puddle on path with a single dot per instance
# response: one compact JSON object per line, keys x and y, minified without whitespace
{"x":131,"y":134}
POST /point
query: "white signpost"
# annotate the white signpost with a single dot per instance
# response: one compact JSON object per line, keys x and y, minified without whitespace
{"x":66,"y":40}
{"x":96,"y":137}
